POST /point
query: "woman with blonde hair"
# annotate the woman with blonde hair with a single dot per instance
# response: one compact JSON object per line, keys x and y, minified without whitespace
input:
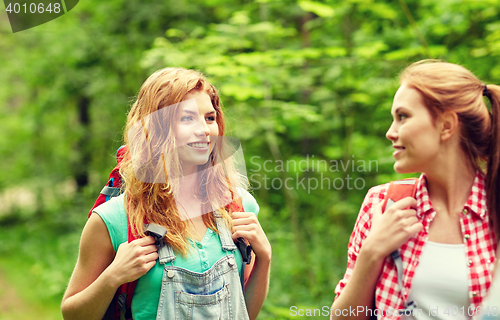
{"x":179,"y":175}
{"x":447,"y":235}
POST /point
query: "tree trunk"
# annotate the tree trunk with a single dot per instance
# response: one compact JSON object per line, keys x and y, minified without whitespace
{"x":82,"y":145}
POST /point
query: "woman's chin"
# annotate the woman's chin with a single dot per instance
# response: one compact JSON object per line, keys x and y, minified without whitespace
{"x":399,"y":168}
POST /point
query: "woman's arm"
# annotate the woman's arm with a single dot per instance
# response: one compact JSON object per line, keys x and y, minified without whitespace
{"x":247,"y":225}
{"x":98,"y":273}
{"x":359,"y":291}
{"x":388,"y":232}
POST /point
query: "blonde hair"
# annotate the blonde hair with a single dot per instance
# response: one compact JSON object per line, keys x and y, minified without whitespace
{"x":152,"y":199}
{"x":450,"y":87}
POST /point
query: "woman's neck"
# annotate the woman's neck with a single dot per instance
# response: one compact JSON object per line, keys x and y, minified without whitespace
{"x":187,"y":186}
{"x":449,"y":184}
{"x":189,"y":205}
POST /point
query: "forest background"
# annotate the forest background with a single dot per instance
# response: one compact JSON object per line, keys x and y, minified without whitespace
{"x":304,"y":82}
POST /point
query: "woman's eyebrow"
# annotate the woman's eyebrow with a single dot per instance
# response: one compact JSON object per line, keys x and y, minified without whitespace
{"x":399,"y":109}
{"x":195,"y":113}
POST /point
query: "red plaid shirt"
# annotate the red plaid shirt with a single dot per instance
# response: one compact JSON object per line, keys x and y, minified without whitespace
{"x":478,"y":239}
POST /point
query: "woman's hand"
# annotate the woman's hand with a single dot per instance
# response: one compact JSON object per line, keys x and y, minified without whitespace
{"x":133,"y":260}
{"x":387,"y":233}
{"x":392,"y":228}
{"x":246,"y":225}
{"x":99,"y":271}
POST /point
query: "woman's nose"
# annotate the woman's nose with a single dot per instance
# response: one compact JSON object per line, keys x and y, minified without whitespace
{"x":392,"y":134}
{"x":202,"y":128}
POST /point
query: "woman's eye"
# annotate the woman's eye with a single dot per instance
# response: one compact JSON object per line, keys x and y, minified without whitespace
{"x":187,"y":118}
{"x":402,"y":116}
{"x":211,"y":118}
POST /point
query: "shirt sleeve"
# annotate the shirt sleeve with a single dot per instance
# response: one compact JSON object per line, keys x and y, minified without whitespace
{"x":114,"y":216}
{"x":361,"y":230}
{"x":248,"y":201}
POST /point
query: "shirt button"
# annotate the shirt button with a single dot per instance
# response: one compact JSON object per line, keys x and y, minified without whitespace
{"x":469,"y":263}
{"x":467,"y":237}
{"x":205,"y":265}
{"x":200,"y":246}
{"x":210,"y":231}
{"x":489,"y":261}
{"x":473,"y":294}
{"x":464,"y":211}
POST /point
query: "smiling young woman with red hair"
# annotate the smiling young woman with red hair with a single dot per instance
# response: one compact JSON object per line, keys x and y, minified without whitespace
{"x":447,"y":236}
{"x":174,"y":177}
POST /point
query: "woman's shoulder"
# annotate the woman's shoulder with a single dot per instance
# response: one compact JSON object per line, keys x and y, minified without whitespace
{"x":378,"y":193}
{"x":114,"y":207}
{"x":375,"y":195}
{"x":248,"y":201}
{"x":113,"y":214}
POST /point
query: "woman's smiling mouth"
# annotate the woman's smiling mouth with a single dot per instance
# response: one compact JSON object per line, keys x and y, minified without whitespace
{"x":199,"y":145}
{"x":397,"y":151}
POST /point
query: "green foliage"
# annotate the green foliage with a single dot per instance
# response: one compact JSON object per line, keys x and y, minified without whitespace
{"x":307,"y":88}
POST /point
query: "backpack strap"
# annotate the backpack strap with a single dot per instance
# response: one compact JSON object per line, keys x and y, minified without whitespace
{"x":110,"y":191}
{"x":113,"y":186}
{"x":398,"y":190}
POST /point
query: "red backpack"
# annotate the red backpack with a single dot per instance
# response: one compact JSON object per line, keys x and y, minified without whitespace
{"x":120,"y":306}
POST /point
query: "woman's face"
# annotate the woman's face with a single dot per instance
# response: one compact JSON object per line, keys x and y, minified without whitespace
{"x":196,"y":131}
{"x":414,"y":134}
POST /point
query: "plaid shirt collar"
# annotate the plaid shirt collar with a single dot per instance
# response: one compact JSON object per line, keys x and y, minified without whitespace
{"x":476,"y":202}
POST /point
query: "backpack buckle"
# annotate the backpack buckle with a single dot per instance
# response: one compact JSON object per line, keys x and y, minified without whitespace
{"x":157,"y":232}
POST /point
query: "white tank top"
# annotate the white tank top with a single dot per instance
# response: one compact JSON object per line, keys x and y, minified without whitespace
{"x":440,"y":285}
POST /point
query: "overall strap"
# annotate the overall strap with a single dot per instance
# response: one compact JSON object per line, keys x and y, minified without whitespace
{"x":224,"y":234}
{"x":166,"y":254}
{"x":228,"y":244}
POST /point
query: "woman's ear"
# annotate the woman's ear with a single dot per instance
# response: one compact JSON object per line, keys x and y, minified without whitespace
{"x":448,"y":124}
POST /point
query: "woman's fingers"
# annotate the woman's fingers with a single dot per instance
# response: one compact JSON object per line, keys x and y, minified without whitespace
{"x":248,"y":232}
{"x":135,"y":259}
{"x":395,"y":226}
{"x":415,"y":228}
{"x":404,"y":203}
{"x":411,"y":220}
{"x":144,"y":241}
{"x":245,"y":221}
{"x":244,"y":218}
{"x":246,"y":225}
{"x":152,"y":256}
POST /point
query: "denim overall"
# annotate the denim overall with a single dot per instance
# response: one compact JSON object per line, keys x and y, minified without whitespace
{"x":213,"y":294}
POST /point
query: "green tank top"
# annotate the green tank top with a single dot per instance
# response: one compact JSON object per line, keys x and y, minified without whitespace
{"x":203,"y":254}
